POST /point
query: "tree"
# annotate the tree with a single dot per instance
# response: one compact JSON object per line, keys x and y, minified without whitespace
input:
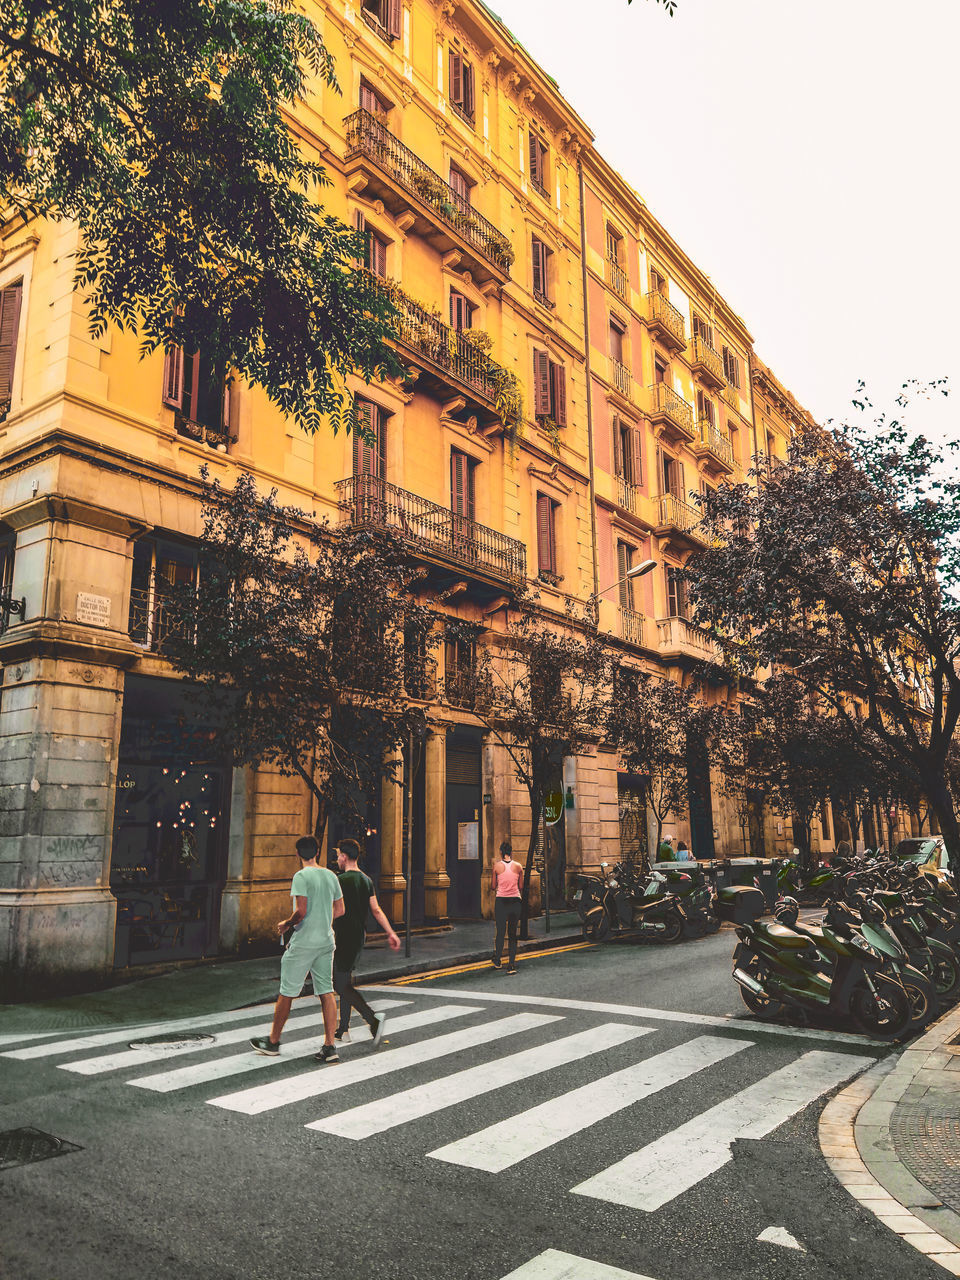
{"x":541,"y":692}
{"x":301,"y":638}
{"x":160,"y":128}
{"x":669,"y":5}
{"x":843,"y":566}
{"x":652,"y":721}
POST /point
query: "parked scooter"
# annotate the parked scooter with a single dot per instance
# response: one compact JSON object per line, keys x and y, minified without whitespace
{"x":609,"y":903}
{"x":780,"y":969}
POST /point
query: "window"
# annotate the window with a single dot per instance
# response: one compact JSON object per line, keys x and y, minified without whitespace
{"x":384,"y":16}
{"x":8,"y":543}
{"x":200,"y":392}
{"x":370,"y":443}
{"x":678,"y":600}
{"x":625,"y":561}
{"x":547,"y":537}
{"x":731,"y":368}
{"x":771,"y":447}
{"x":461,"y":311}
{"x":10,"y":299}
{"x":704,"y":408}
{"x":627,"y":458}
{"x":614,"y":247}
{"x":461,"y":184}
{"x":538,"y":163}
{"x":549,"y":389}
{"x":459,"y":670}
{"x":461,"y":86}
{"x":825,"y":819}
{"x":616,"y":341}
{"x":672,"y":476}
{"x":160,"y":570}
{"x":661,"y":372}
{"x":462,"y":488}
{"x":658,"y":282}
{"x":540,"y":255}
{"x":702,"y":329}
{"x":375,"y":255}
{"x":371,"y":101}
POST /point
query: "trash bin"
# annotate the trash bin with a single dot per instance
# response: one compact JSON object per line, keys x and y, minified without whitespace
{"x":761,"y":872}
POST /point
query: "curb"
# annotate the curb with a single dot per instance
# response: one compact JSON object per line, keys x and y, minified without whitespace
{"x":544,"y":945}
{"x":855,"y":1141}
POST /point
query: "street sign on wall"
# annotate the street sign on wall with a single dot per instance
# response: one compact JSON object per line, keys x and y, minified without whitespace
{"x":553,"y":807}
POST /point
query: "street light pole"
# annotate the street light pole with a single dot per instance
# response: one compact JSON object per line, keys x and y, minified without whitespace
{"x":638,"y":571}
{"x":408,"y":890}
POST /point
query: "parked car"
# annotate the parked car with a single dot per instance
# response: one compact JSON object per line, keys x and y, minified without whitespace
{"x":928,"y":851}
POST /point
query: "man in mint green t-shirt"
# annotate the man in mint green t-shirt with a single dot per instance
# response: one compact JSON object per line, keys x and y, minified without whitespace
{"x":318,"y":901}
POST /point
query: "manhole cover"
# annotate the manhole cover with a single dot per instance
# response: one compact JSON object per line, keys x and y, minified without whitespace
{"x":170,"y":1041}
{"x":26,"y":1146}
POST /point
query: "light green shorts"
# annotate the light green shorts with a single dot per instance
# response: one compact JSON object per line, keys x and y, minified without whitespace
{"x":297,"y":962}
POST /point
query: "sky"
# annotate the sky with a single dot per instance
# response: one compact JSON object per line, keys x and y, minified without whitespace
{"x":804,"y":155}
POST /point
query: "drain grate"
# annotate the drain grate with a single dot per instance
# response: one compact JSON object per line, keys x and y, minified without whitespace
{"x":172,"y":1040}
{"x":26,"y":1146}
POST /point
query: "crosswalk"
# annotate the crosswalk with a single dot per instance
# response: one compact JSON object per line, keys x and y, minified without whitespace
{"x":445,"y":1053}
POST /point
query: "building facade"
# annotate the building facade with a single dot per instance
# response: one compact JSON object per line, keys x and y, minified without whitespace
{"x":519,"y":258}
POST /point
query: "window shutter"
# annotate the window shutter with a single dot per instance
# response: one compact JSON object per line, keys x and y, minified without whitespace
{"x":536,"y":165}
{"x":636,"y":455}
{"x":662,"y":471}
{"x":625,"y":585}
{"x":673,"y":602}
{"x":172,"y":378}
{"x":558,"y":379}
{"x":541,"y":384}
{"x":456,"y":78}
{"x":682,"y":484}
{"x":369,"y":459}
{"x":546,"y":551}
{"x":225,"y":411}
{"x":376,"y":255}
{"x":617,"y":448}
{"x":10,"y":300}
{"x":394,"y":18}
{"x":539,"y":274}
{"x":458,"y":482}
{"x":191,"y":385}
{"x":468,"y":88}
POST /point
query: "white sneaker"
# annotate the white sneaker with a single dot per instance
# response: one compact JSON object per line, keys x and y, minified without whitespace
{"x":378,"y":1029}
{"x":342,"y":1037}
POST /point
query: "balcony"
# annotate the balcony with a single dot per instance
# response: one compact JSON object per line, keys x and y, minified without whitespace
{"x":679,"y":638}
{"x":387,"y":170}
{"x":629,"y":496}
{"x":433,"y":532}
{"x":713,"y":448}
{"x":617,"y":278}
{"x":218,"y":438}
{"x":665,"y":322}
{"x":155,"y":615}
{"x":670,"y":415}
{"x":732,"y":396}
{"x":631,"y":625}
{"x":620,"y":377}
{"x":707,"y":363}
{"x":678,"y":523}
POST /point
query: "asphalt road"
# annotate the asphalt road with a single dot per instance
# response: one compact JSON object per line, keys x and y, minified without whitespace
{"x":656,"y":1137}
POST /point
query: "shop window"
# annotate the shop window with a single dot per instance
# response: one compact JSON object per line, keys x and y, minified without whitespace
{"x":383,"y":16}
{"x":11,"y":297}
{"x":549,"y":389}
{"x":547,"y":510}
{"x":538,"y":162}
{"x":461,"y":87}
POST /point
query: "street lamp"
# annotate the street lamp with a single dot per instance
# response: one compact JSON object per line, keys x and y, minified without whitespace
{"x":638,"y":571}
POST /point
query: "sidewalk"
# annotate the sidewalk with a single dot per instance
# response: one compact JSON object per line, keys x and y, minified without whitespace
{"x":231,"y":984}
{"x":893,"y":1140}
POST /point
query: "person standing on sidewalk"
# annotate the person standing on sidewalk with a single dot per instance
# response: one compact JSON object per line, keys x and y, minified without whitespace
{"x":359,"y":897}
{"x":318,"y":901}
{"x":507,"y":884}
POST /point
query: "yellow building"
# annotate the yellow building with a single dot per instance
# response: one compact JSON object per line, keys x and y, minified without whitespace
{"x":485,"y":202}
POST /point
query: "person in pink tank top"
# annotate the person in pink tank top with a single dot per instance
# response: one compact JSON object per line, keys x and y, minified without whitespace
{"x":507,"y":884}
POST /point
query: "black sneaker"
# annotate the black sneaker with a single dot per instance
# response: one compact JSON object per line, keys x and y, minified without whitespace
{"x":263,"y":1044}
{"x":327,"y":1054}
{"x":495,"y":963}
{"x":377,"y":1029}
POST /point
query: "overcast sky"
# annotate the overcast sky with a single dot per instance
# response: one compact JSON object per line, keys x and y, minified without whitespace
{"x":805,"y":155}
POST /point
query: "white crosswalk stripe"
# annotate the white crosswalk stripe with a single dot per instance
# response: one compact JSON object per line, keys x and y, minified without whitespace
{"x":649,"y":1178}
{"x":426,"y":1099}
{"x":514,"y":1139}
{"x":241,"y":1063}
{"x":553,"y":1264}
{"x":297,"y":1088}
{"x":236,"y":1035}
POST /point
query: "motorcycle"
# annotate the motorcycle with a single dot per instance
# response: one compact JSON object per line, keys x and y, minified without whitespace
{"x":778,"y":968}
{"x":610,"y":903}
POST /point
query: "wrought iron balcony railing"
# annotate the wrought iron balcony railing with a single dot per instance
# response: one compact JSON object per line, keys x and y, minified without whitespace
{"x":664,"y":316}
{"x":715,"y":442}
{"x":620,"y":377}
{"x":677,"y":514}
{"x":617,"y":277}
{"x":423,"y":332}
{"x":667,"y":405}
{"x":370,"y":501}
{"x":366,"y":135}
{"x":629,"y":495}
{"x":631,"y":625}
{"x":154,"y":616}
{"x":707,"y":361}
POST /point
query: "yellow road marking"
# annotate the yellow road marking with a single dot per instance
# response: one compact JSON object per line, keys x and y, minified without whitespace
{"x":483,"y":964}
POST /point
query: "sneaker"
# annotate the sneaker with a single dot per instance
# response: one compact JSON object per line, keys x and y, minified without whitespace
{"x":377,"y":1030}
{"x":495,"y":963}
{"x":327,"y":1054}
{"x":263,"y":1044}
{"x":512,"y":969}
{"x":342,"y":1037}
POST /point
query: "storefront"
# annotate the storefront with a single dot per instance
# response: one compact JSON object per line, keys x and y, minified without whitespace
{"x":170,"y":827}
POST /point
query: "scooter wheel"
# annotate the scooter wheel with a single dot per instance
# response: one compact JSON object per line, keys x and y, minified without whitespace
{"x":887,"y":1014}
{"x":763,"y":1006}
{"x":946,"y":975}
{"x":597,"y":930}
{"x":673,"y":931}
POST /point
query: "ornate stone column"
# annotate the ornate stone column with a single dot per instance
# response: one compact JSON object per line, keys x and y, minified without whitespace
{"x":392,"y":884}
{"x":436,"y":882}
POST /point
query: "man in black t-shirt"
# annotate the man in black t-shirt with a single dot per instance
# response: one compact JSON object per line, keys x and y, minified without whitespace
{"x":359,"y":896}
